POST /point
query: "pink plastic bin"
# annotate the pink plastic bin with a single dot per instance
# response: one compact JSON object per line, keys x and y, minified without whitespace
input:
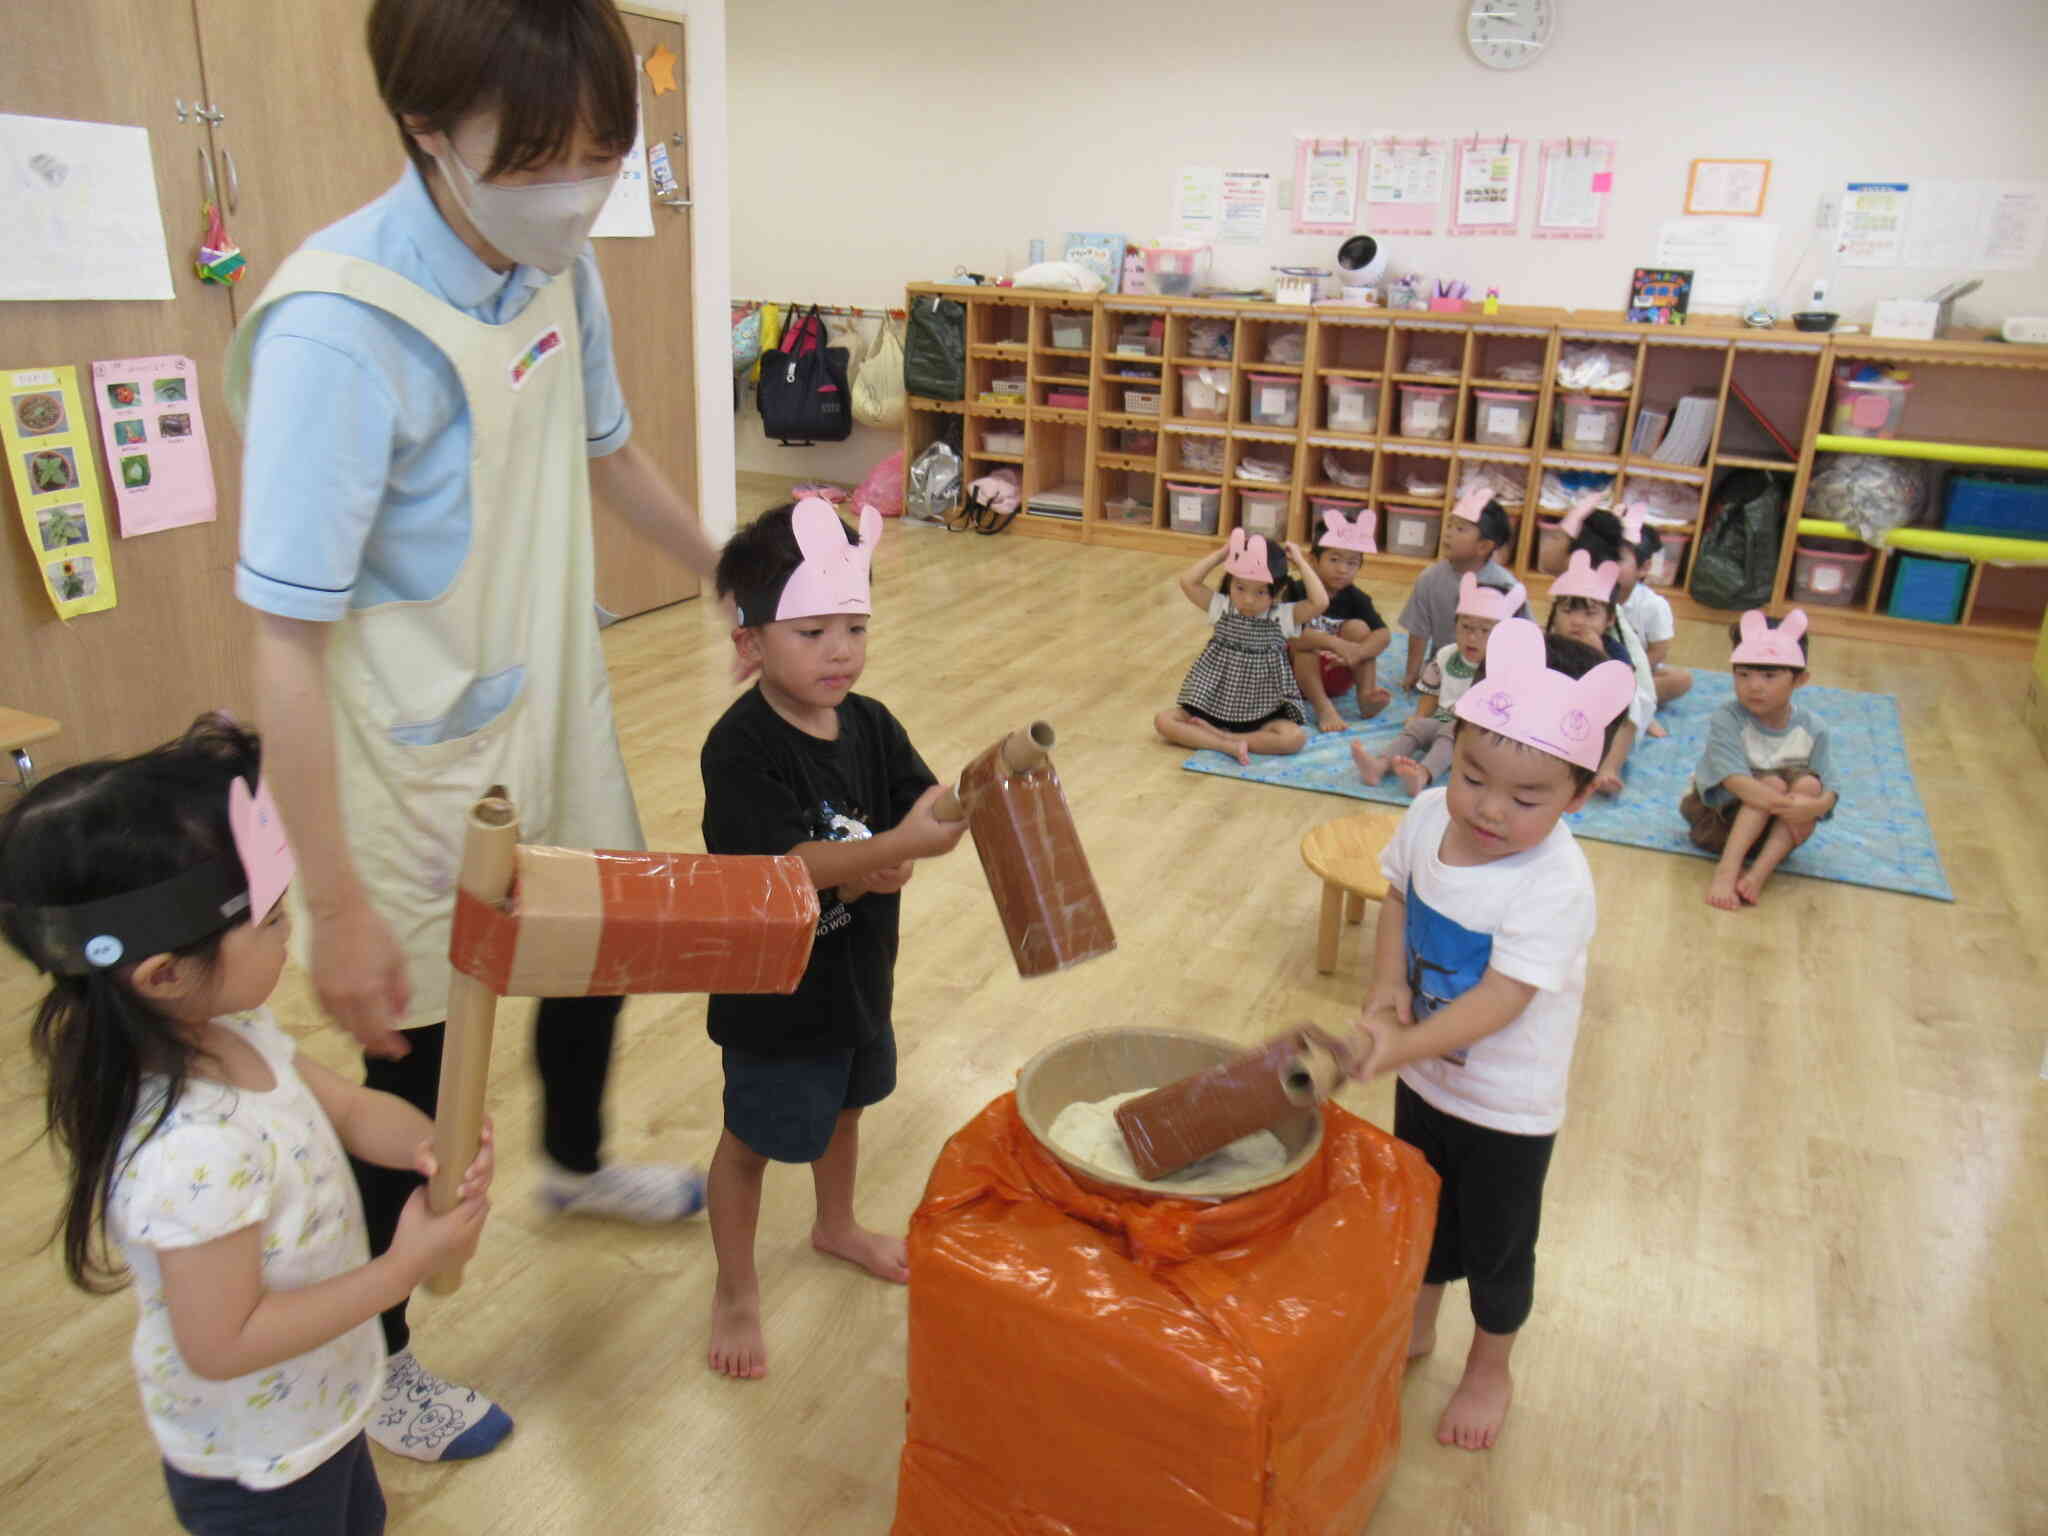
{"x":1668,"y":564}
{"x":1263,"y":512}
{"x":1193,"y":508}
{"x":1275,"y":399}
{"x":1503,"y":418}
{"x":1588,"y":424}
{"x":1427,"y":411}
{"x":1830,"y":575}
{"x":1354,"y":405}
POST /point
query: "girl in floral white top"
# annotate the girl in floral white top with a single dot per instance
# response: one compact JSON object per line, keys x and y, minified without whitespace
{"x":202,"y":1145}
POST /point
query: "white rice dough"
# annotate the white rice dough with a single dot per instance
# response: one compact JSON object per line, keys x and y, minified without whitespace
{"x":1088,"y":1131}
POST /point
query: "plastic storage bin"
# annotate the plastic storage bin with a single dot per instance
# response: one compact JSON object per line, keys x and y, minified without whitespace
{"x":1070,"y":332}
{"x":1275,"y":399}
{"x":1868,"y":402}
{"x":1136,"y":441}
{"x":1426,"y":411}
{"x":1590,"y":424}
{"x":1503,"y":418}
{"x":2009,"y":506}
{"x":1067,"y":399}
{"x":1354,"y":405}
{"x":1193,"y":508}
{"x":1412,"y":532}
{"x":1002,"y":439}
{"x":1668,"y":564}
{"x":1141,"y":402}
{"x":1929,"y":588}
{"x":1263,"y":512}
{"x":1828,"y":572}
{"x":1204,"y":393}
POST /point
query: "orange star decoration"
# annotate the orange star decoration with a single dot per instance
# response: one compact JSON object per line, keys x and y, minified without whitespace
{"x":661,"y":69}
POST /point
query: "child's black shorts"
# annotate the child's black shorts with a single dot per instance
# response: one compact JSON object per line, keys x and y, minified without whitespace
{"x":1490,"y":1208}
{"x":786,"y":1107}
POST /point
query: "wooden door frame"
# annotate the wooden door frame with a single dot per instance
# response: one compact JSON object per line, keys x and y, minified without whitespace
{"x":704,"y":114}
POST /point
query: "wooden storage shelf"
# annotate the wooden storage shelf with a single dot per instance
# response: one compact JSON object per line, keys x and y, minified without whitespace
{"x":1975,"y":402}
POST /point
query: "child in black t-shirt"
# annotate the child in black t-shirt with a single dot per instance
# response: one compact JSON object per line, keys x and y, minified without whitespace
{"x":1337,"y":651}
{"x":801,"y":764}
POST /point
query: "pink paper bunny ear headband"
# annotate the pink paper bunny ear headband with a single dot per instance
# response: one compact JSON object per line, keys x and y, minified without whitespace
{"x":1247,"y":557}
{"x":1763,"y":646}
{"x":1521,"y":698}
{"x":1479,"y":601}
{"x":1341,"y":532}
{"x":167,"y":916}
{"x":1582,"y":579}
{"x":1472,"y":503}
{"x":1570,"y":524}
{"x":833,"y":577}
{"x":1632,"y":522}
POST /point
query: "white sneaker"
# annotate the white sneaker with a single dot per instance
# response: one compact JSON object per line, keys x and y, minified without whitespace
{"x":649,"y":1193}
{"x":421,"y":1416}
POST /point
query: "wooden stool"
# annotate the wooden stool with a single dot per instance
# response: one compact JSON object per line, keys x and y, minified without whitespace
{"x":19,"y":730}
{"x":1345,"y":856}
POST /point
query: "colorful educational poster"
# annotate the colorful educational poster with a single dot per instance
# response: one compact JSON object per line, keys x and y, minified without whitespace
{"x":47,"y":436}
{"x":155,"y":437}
{"x":628,"y":214}
{"x":1872,"y":229}
{"x":1404,"y":184}
{"x":82,"y":215}
{"x":1326,"y":177}
{"x":1488,"y":183}
{"x":1576,"y":179}
{"x":1244,"y":207}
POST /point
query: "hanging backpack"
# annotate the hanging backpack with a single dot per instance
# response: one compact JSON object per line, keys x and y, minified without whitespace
{"x":1737,"y":561}
{"x":803,"y":395}
{"x":935,"y":351}
{"x":878,"y":394}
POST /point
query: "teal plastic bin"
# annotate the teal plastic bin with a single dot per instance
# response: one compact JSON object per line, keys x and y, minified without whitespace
{"x":1930,"y":589}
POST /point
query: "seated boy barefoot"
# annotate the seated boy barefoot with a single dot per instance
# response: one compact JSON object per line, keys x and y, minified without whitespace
{"x":801,"y":764}
{"x":1476,"y":530}
{"x":1423,"y":749}
{"x":1762,"y":783}
{"x":1479,"y":971}
{"x":1337,"y":651}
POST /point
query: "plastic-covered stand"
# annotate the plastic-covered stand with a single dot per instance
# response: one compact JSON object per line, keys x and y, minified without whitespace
{"x":1084,"y":1361}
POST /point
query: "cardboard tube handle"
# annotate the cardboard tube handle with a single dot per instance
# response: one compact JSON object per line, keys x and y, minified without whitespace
{"x":1022,"y":751}
{"x":1312,"y":1076}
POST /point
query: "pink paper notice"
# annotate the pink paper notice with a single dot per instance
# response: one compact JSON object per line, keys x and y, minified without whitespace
{"x":155,"y":440}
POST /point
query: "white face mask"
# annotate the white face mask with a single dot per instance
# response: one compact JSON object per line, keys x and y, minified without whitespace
{"x":542,"y":226}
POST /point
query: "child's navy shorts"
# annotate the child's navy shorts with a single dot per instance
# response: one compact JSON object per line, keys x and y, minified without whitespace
{"x":785,"y":1108}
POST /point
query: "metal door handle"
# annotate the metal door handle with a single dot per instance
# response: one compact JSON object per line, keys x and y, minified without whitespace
{"x":674,"y":200}
{"x":206,"y":177}
{"x":234,"y":182}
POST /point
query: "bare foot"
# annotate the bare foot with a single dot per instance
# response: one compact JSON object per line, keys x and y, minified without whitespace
{"x":1370,"y":769}
{"x":1473,"y":1417}
{"x":1242,"y":751}
{"x":1721,"y":892}
{"x":1413,"y":776}
{"x":1749,"y":887}
{"x":737,"y":1349}
{"x":1373,"y":702}
{"x":1607,"y":784}
{"x":1328,"y":720}
{"x":886,"y":1258}
{"x":1656,"y":729}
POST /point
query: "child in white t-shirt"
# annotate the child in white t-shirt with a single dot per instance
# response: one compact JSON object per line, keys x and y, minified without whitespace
{"x":1423,"y":749}
{"x":205,"y":1146}
{"x":1645,"y":608}
{"x":1479,"y":971}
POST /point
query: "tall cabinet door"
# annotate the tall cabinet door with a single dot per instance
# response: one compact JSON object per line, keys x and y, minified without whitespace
{"x":123,"y":679}
{"x":303,"y":138}
{"x":647,"y":282}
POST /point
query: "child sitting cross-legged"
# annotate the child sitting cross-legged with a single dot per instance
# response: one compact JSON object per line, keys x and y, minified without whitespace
{"x":1645,"y":608}
{"x":1582,"y":609}
{"x":1475,"y":531}
{"x":1241,"y":696}
{"x":1762,"y":783}
{"x":1423,"y":749}
{"x":1337,"y":651}
{"x":1479,"y":972}
{"x":802,"y":764}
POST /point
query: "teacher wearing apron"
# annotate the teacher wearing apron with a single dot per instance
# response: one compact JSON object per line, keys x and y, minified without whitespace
{"x":428,"y":396}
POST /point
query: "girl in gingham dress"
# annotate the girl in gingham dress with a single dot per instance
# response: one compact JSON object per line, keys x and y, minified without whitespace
{"x":1241,"y":696}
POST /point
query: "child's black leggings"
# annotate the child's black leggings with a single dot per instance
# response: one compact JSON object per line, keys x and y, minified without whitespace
{"x":572,"y":1048}
{"x":1488,"y":1213}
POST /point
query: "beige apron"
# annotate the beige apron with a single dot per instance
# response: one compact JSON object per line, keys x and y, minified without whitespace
{"x":500,"y":679}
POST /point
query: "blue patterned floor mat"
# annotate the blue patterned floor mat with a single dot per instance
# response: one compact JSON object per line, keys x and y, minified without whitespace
{"x":1878,"y":836}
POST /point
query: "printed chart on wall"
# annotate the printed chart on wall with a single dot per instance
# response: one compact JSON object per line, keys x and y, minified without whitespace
{"x":1326,"y":186}
{"x":627,"y":213}
{"x":1576,"y":180}
{"x":1987,"y":226}
{"x":82,"y":214}
{"x":1404,"y":184}
{"x":48,"y":440}
{"x":1872,"y":228}
{"x":1487,"y":194}
{"x":155,"y":439}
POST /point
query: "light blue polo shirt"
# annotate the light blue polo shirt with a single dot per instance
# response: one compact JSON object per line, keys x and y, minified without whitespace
{"x":355,"y":463}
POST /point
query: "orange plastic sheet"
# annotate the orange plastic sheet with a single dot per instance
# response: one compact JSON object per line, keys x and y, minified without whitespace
{"x":1087,"y":1365}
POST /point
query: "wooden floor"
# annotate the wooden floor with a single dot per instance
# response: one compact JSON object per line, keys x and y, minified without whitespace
{"x":1797,"y":1227}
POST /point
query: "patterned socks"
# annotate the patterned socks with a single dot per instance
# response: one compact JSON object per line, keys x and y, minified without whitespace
{"x":421,"y":1416}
